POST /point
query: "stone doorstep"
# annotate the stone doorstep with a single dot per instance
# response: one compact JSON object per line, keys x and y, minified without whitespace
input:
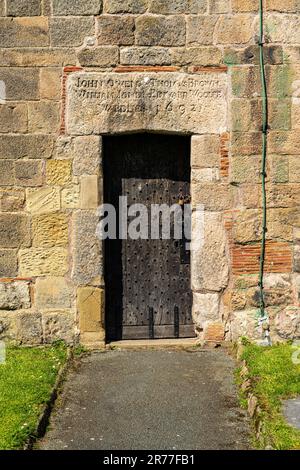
{"x":180,"y":343}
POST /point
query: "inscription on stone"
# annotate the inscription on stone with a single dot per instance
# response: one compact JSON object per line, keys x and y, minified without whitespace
{"x":101,"y":103}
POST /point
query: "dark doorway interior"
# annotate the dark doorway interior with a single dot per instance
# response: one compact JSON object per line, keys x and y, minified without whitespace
{"x":148,"y":293}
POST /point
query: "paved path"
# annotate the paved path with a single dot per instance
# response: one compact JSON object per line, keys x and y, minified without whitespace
{"x":150,"y":400}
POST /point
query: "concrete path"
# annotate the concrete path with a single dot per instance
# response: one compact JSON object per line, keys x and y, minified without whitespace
{"x":150,"y":400}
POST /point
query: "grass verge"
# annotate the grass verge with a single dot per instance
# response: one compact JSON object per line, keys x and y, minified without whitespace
{"x":273,"y":377}
{"x":26,"y":382}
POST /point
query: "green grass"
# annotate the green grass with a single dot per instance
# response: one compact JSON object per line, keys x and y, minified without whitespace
{"x":26,"y":381}
{"x":274,"y":377}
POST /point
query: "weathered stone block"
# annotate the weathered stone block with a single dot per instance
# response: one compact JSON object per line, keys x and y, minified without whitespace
{"x":29,"y":172}
{"x":235,"y":29}
{"x":89,"y":192}
{"x":145,"y":56}
{"x":291,"y":6}
{"x":70,"y":197}
{"x":13,"y":118}
{"x":219,"y":6}
{"x":50,"y":83}
{"x":71,"y":31}
{"x":24,"y":32}
{"x":115,"y":29}
{"x":53,"y":292}
{"x":125,"y":6}
{"x":7,"y":176}
{"x":43,"y":117}
{"x":214,"y":332}
{"x":2,"y":7}
{"x":206,"y":307}
{"x":8,"y":263}
{"x":244,"y":6}
{"x":28,"y":8}
{"x":214,"y":197}
{"x":209,"y":267}
{"x":160,"y":30}
{"x":279,"y":169}
{"x":7,"y":326}
{"x":296,"y":260}
{"x":14,"y":230}
{"x":87,"y":155}
{"x":12,"y":200}
{"x":37,"y":57}
{"x":14,"y":295}
{"x":197,"y":56}
{"x":177,"y":6}
{"x":245,"y":169}
{"x":90,"y":305}
{"x":78,"y":8}
{"x":41,"y":201}
{"x":59,"y":325}
{"x":20,"y":83}
{"x":283,"y":28}
{"x":59,"y":172}
{"x":105,"y":56}
{"x":205,"y":151}
{"x":244,"y":143}
{"x":294,"y":169}
{"x":50,"y":230}
{"x":284,"y":143}
{"x":245,"y":324}
{"x":25,"y":146}
{"x":204,"y":175}
{"x":287,"y":323}
{"x":162,"y":101}
{"x":87,"y":248}
{"x":43,"y":262}
{"x":29,"y":328}
{"x":200,"y":29}
{"x":245,"y":81}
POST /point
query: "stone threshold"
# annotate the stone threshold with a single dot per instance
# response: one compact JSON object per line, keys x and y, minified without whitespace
{"x":180,"y":343}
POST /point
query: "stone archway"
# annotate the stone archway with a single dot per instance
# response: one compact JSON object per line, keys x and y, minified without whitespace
{"x":101,"y":104}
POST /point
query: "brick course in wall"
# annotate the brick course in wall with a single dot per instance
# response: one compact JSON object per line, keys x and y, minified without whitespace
{"x":43,"y":182}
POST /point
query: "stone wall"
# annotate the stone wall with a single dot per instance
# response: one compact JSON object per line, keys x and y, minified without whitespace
{"x":51,"y":284}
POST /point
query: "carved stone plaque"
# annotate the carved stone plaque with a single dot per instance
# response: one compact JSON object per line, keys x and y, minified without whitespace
{"x":108,"y":103}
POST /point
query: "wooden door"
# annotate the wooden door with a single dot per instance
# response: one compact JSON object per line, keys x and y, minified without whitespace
{"x":148,"y":292}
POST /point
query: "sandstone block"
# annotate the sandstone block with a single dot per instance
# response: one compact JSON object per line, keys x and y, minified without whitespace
{"x":105,"y":56}
{"x":59,"y":325}
{"x":50,"y":83}
{"x":210,"y":269}
{"x":244,"y":6}
{"x":206,"y":307}
{"x":287,"y":323}
{"x":28,"y":8}
{"x":14,"y":230}
{"x":78,"y":8}
{"x":282,"y":28}
{"x":37,"y":57}
{"x":25,"y":146}
{"x":218,"y":6}
{"x":87,"y":249}
{"x":29,"y":172}
{"x":43,"y":200}
{"x":43,"y":262}
{"x":13,"y":118}
{"x":115,"y":29}
{"x":20,"y":83}
{"x":7,"y":176}
{"x":14,"y":295}
{"x":59,"y":172}
{"x":177,"y":6}
{"x":244,"y":324}
{"x":89,"y":192}
{"x":160,"y":30}
{"x":235,"y":29}
{"x":145,"y":56}
{"x":197,"y":56}
{"x":90,"y":305}
{"x":87,"y":155}
{"x":70,"y":197}
{"x":284,"y":143}
{"x":49,"y":230}
{"x":29,"y":328}
{"x":12,"y":200}
{"x":280,"y":169}
{"x":24,"y":32}
{"x":43,"y":117}
{"x":8,"y":263}
{"x":214,"y":197}
{"x":200,"y":29}
{"x":288,"y":6}
{"x":71,"y":31}
{"x":2,"y":7}
{"x":53,"y":293}
{"x":204,"y":175}
{"x":245,"y":169}
{"x":126,"y":6}
{"x":205,"y":151}
{"x":214,"y":332}
{"x":294,"y":169}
